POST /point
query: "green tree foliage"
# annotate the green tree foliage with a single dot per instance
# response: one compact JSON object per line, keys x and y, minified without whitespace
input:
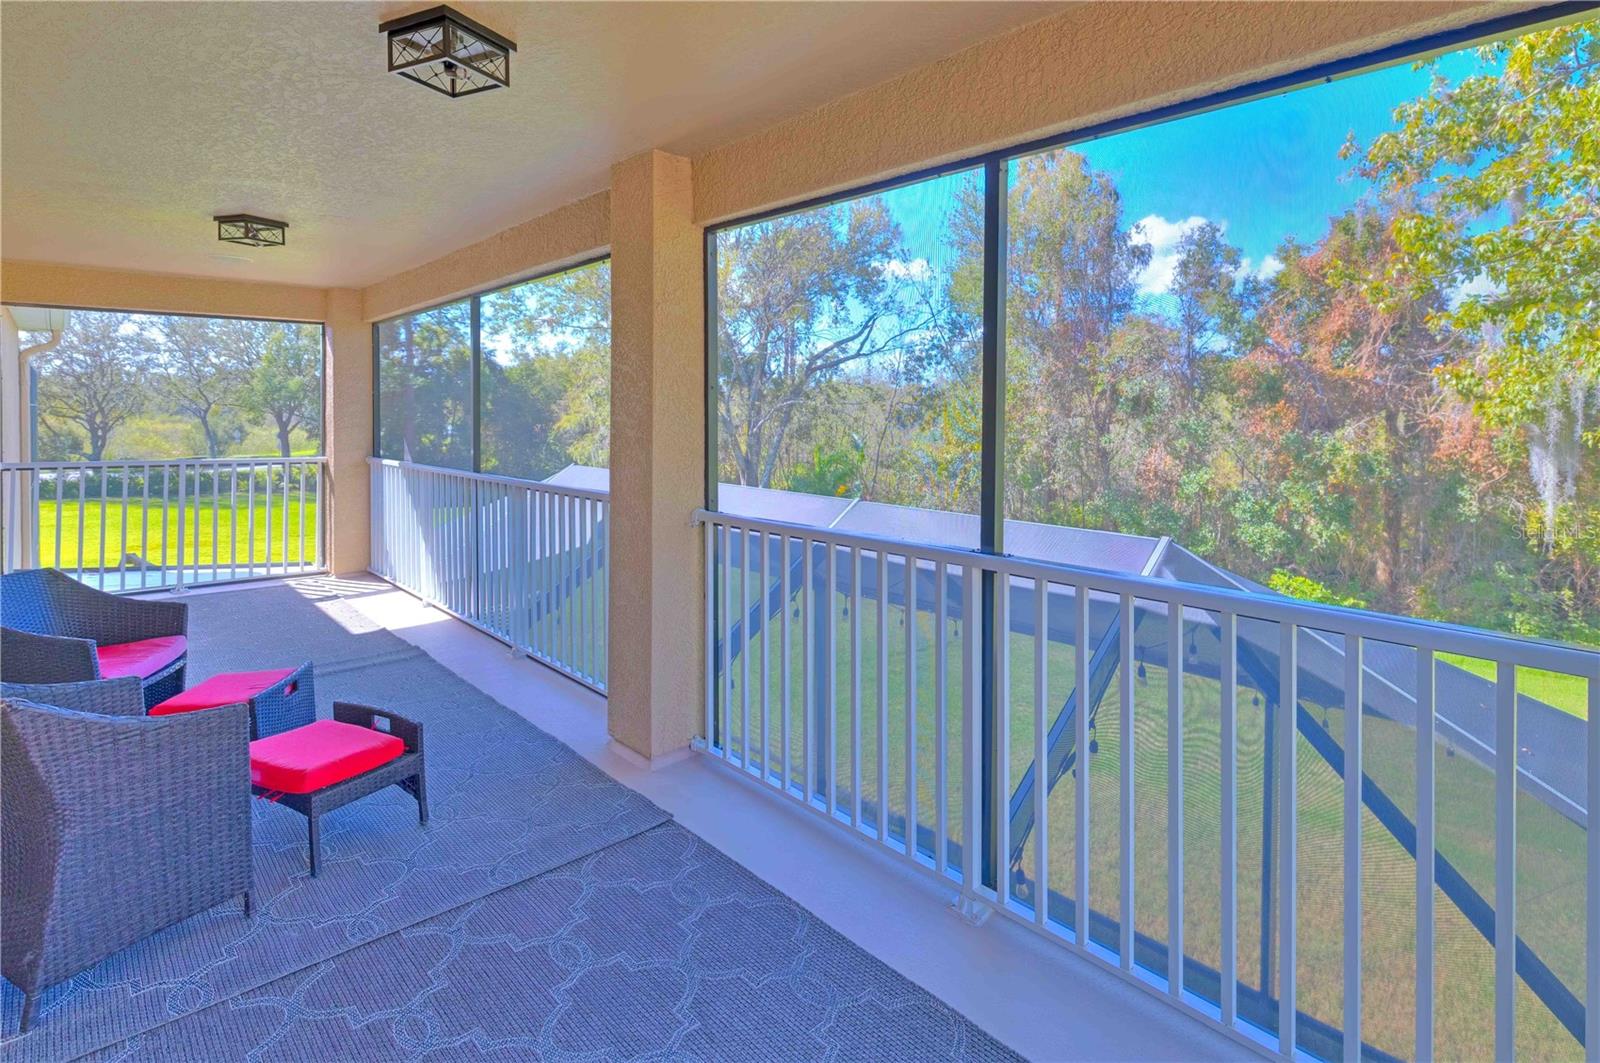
{"x":153,"y":386}
{"x":95,"y":379}
{"x":1392,"y":415}
{"x":425,"y":387}
{"x":282,"y":385}
{"x":814,"y":309}
{"x":547,"y":374}
{"x":1496,"y":179}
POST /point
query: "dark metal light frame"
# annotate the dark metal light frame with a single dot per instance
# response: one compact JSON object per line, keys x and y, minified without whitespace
{"x":448,"y":52}
{"x":250,"y":230}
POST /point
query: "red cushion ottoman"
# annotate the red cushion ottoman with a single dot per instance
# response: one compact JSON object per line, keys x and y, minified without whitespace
{"x":327,"y":764}
{"x":280,"y":699}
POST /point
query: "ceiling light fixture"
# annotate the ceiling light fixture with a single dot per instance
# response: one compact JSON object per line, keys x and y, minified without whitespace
{"x":448,"y":52}
{"x":249,"y":230}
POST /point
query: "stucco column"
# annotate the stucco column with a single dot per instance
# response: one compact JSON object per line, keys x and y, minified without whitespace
{"x":347,"y":429}
{"x":657,"y":455}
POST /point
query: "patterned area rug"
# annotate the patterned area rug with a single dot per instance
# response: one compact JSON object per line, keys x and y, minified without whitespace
{"x":658,"y":948}
{"x":546,"y":912}
{"x":507,"y":802}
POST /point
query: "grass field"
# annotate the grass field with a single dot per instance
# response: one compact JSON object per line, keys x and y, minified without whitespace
{"x":1569,"y":693}
{"x":232,"y":535}
{"x":1550,"y":847}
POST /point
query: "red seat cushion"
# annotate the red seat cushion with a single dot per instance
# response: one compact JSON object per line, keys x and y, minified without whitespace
{"x":319,"y":754}
{"x":143,"y":658}
{"x":229,"y":688}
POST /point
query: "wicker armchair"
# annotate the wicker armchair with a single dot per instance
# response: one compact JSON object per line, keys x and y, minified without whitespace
{"x":54,"y":629}
{"x":113,"y":824}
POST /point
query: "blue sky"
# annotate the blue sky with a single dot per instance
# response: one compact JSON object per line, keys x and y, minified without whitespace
{"x":1264,"y":170}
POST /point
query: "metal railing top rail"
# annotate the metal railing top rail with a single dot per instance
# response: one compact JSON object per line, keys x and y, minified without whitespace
{"x":494,"y":478}
{"x":151,"y":463}
{"x":1384,"y":627}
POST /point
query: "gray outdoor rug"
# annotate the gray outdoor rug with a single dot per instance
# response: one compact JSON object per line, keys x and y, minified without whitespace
{"x":657,"y":948}
{"x":507,"y":803}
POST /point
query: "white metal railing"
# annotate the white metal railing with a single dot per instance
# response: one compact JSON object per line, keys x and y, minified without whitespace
{"x":523,"y":561}
{"x":127,"y":526}
{"x":1256,"y":866}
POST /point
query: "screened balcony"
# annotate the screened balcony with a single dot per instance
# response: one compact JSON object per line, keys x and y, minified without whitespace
{"x":894,"y":532}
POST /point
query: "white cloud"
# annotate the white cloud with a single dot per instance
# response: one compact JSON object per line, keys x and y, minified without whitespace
{"x":1162,"y":237}
{"x":1270,"y":267}
{"x":1478,"y":288}
{"x":917,"y":269}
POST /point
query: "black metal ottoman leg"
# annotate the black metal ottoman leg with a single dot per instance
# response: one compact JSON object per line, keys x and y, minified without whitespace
{"x":316,"y":844}
{"x":249,"y":910}
{"x":422,"y":797}
{"x":28,"y":1002}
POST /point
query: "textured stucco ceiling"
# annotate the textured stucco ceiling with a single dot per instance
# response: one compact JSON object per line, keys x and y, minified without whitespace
{"x":125,"y":126}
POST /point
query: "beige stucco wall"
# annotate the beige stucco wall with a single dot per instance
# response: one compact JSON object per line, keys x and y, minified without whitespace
{"x":567,"y":234}
{"x":657,"y":454}
{"x":347,"y":429}
{"x":1091,"y":63}
{"x":46,"y":284}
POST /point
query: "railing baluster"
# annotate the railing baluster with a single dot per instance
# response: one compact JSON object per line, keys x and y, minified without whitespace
{"x":784,"y":693}
{"x":250,"y":531}
{"x":744,"y":647}
{"x":1080,"y":738}
{"x":102,"y":580}
{"x":286,"y":517}
{"x":1354,"y":654}
{"x":59,"y":492}
{"x":726,"y":687}
{"x":1288,"y":818}
{"x":766,"y":652}
{"x":709,"y":601}
{"x":122,"y":552}
{"x":941,"y":782}
{"x":855,"y":687}
{"x":83,"y":513}
{"x":910,"y":583}
{"x":883,"y":696}
{"x":1175,"y":797}
{"x":830,"y":760}
{"x":1592,"y":835}
{"x":971,"y":738}
{"x":216,"y":517}
{"x":808,"y":670}
{"x":1125,"y":779}
{"x":1505,"y":862}
{"x":1228,"y":672}
{"x":233,"y":521}
{"x":1041,"y":751}
{"x":1424,"y":859}
{"x":1000,"y":755}
{"x":144,"y":534}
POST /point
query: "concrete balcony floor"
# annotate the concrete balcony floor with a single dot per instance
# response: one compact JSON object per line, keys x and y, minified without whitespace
{"x":1037,"y":998}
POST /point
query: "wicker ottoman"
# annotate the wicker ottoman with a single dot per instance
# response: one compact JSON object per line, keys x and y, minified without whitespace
{"x":327,"y":764}
{"x":280,"y":700}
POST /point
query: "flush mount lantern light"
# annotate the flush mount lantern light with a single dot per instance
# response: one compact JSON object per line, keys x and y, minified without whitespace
{"x":448,"y":52}
{"x":249,"y":230}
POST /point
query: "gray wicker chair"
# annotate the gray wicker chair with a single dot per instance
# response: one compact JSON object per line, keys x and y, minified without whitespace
{"x":52,"y":628}
{"x":113,"y":824}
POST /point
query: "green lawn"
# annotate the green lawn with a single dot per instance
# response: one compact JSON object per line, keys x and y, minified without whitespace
{"x":213,"y":533}
{"x":1569,"y":693}
{"x":1550,"y":847}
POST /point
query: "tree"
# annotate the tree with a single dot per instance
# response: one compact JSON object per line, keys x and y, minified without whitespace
{"x":804,"y":300}
{"x":282,"y":366}
{"x":1498,"y":180}
{"x":547,"y":373}
{"x":94,"y":379}
{"x":201,"y":374}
